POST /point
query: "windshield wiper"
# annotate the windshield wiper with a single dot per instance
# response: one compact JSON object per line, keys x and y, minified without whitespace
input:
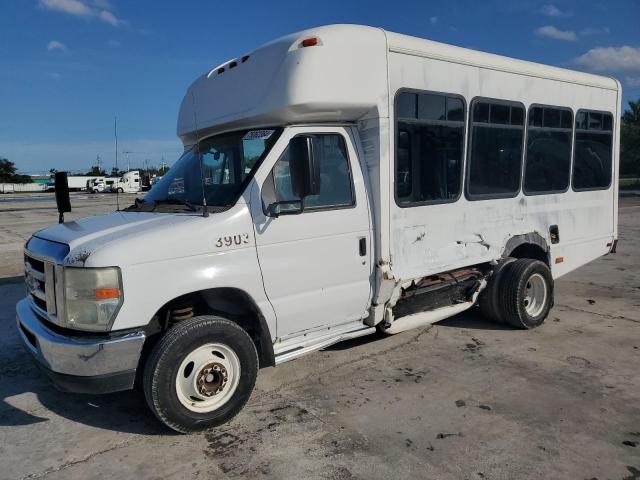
{"x":177,"y":201}
{"x":142,"y":206}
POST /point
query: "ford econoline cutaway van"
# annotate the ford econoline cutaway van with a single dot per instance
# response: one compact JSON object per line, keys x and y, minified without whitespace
{"x":335,"y":182}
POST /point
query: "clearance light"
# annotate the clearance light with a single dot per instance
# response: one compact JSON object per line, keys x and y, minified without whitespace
{"x":244,"y":58}
{"x":107,"y":293}
{"x":233,"y":64}
{"x":220,"y":70}
{"x":310,"y":42}
{"x":559,"y":259}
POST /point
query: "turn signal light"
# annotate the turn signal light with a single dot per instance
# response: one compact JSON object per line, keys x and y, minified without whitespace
{"x":559,"y":259}
{"x":107,"y":293}
{"x":310,"y":42}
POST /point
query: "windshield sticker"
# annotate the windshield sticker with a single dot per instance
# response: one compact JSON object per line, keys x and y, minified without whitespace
{"x":258,"y":134}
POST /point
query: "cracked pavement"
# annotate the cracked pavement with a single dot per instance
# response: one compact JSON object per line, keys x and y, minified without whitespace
{"x":462,"y":399}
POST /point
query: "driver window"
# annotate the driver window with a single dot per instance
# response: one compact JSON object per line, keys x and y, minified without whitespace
{"x":336,"y":187}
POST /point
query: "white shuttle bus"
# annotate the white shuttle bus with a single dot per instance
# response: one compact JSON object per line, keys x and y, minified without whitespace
{"x":335,"y":182}
{"x":128,"y":183}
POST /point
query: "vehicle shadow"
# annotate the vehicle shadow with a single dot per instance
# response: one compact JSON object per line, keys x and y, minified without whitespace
{"x":470,"y":319}
{"x":124,"y":412}
{"x":27,"y":396}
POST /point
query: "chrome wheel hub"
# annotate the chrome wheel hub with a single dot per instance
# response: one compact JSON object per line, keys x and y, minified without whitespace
{"x":535,"y":295}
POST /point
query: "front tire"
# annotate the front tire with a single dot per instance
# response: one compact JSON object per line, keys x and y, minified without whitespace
{"x":525,"y":293}
{"x":200,"y":374}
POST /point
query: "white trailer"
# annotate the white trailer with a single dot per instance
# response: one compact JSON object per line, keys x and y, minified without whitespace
{"x":78,"y":182}
{"x":369,"y":181}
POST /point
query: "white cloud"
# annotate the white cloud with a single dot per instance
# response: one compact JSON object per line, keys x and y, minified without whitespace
{"x":84,"y":8}
{"x":550,"y":31}
{"x":632,"y":81}
{"x":433,"y":20}
{"x":612,"y":59}
{"x":109,"y":18}
{"x":55,"y":45}
{"x":595,"y":31}
{"x":553,"y":11}
{"x":72,"y":7}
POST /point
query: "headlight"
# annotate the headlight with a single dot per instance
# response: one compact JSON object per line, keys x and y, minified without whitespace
{"x":92,"y":297}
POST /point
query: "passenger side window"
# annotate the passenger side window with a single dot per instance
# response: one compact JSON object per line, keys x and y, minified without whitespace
{"x":548,"y":158}
{"x":336,"y":188}
{"x":495,"y":152}
{"x":593,"y":151}
{"x":430,"y":139}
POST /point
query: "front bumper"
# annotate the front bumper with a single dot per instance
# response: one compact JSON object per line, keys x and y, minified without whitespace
{"x":78,"y":364}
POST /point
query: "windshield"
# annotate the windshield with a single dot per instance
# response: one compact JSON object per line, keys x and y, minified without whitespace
{"x":219,"y":167}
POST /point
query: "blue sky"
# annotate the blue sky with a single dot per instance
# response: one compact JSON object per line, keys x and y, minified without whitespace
{"x":67,"y":67}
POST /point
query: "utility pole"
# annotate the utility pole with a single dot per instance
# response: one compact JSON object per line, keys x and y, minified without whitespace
{"x":98,"y":162}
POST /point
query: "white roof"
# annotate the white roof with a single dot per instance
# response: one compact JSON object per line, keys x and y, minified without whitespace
{"x":343,"y":78}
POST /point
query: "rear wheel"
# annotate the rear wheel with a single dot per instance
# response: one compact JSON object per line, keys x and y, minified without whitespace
{"x":489,"y":301}
{"x":525,"y":293}
{"x":200,"y":374}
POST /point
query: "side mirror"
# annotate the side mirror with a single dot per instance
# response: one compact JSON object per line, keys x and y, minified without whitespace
{"x":304,"y":170}
{"x":62,"y":195}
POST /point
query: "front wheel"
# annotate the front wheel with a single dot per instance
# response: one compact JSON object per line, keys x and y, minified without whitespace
{"x":200,"y":374}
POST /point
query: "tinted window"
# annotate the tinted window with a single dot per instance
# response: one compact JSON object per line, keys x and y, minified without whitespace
{"x":495,"y":155}
{"x":593,"y":145}
{"x":429,"y":149}
{"x":548,"y":159}
{"x":330,"y":152}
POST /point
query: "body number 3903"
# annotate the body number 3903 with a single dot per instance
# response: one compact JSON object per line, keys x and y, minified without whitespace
{"x":228,"y":241}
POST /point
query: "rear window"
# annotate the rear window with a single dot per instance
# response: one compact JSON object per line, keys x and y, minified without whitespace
{"x":592,"y":159}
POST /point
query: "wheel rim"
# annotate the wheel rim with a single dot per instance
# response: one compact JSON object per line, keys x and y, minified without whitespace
{"x":535,"y":295}
{"x":208,"y":377}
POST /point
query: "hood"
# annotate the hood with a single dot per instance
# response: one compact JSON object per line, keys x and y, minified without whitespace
{"x":88,"y":234}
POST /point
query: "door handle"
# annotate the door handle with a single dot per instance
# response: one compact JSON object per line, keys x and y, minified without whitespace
{"x":363,"y":246}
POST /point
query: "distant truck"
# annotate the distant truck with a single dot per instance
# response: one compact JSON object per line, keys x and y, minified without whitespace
{"x":79,"y":183}
{"x":128,"y":183}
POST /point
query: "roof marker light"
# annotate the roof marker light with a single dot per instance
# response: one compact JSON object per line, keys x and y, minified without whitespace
{"x":220,"y":70}
{"x":310,"y":42}
{"x":244,"y":58}
{"x":233,"y":64}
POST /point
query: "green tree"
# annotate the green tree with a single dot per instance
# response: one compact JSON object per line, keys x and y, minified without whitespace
{"x":116,"y":173}
{"x":96,"y":172}
{"x":8,"y":173}
{"x":630,"y":140}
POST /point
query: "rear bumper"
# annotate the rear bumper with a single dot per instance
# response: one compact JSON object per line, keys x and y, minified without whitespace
{"x":79,"y":364}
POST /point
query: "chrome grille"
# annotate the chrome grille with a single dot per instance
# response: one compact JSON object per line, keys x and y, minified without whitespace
{"x":40,"y":280}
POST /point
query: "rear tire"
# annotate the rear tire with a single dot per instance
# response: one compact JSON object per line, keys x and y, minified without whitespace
{"x":525,"y":293}
{"x":200,"y":374}
{"x":489,"y":301}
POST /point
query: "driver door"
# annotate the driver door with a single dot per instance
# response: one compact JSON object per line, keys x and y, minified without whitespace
{"x":316,"y":265}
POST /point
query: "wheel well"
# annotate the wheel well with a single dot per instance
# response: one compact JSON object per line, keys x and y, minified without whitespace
{"x":231,"y":303}
{"x":530,"y":250}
